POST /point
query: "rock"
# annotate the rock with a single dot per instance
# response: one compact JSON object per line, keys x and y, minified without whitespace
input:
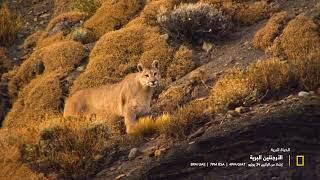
{"x":45,"y":15}
{"x":133,"y":153}
{"x":303,"y":94}
{"x":232,"y":113}
{"x":198,"y":133}
{"x":206,"y":46}
{"x":80,"y":68}
{"x":242,"y":109}
{"x":312,"y":93}
{"x":120,"y":176}
{"x":165,"y":36}
{"x":98,"y":157}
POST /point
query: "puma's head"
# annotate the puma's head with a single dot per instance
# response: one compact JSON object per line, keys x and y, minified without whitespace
{"x":149,"y":77}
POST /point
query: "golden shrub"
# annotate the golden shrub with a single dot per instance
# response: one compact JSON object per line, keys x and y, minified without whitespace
{"x":269,"y":77}
{"x":172,"y":98}
{"x":31,"y":41}
{"x":265,"y":36}
{"x":71,"y":148}
{"x":299,"y":43}
{"x":230,"y":91}
{"x":151,"y":10}
{"x":45,"y":40}
{"x":112,"y":15}
{"x":182,"y":64}
{"x":250,"y":13}
{"x":72,"y":17}
{"x":48,"y":59}
{"x":41,"y":98}
{"x":10,"y":165}
{"x":117,"y":53}
{"x":261,"y":80}
{"x":10,"y":25}
{"x":299,"y":39}
{"x":245,"y":12}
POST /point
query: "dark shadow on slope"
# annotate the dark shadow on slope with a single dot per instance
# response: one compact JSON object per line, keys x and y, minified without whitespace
{"x":295,"y":126}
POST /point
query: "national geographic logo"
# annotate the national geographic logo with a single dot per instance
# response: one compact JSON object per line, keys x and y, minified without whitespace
{"x":299,"y":161}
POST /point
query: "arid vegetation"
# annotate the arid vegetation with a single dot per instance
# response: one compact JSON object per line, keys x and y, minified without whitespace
{"x":10,"y":25}
{"x":182,"y":23}
{"x":89,"y":43}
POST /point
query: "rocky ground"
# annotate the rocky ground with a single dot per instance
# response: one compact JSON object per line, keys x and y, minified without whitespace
{"x":292,"y":122}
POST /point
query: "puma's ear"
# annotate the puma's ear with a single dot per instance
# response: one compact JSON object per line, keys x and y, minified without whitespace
{"x":155,"y":64}
{"x":140,"y":67}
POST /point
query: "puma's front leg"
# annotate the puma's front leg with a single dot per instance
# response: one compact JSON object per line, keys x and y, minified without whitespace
{"x":129,"y":120}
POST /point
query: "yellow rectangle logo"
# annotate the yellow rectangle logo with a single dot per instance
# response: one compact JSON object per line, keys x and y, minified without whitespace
{"x":300,"y":160}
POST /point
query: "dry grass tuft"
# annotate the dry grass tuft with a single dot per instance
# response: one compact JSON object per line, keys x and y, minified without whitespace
{"x":264,"y":37}
{"x":70,"y":148}
{"x":145,"y":127}
{"x":185,"y":120}
{"x":148,"y":126}
{"x":182,"y":23}
{"x":46,"y":60}
{"x":299,"y":43}
{"x":10,"y":25}
{"x":179,"y":124}
{"x":183,"y":63}
{"x":112,"y":16}
{"x":259,"y":81}
{"x":117,"y":53}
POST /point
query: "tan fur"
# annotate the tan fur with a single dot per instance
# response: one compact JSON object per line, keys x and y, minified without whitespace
{"x":129,"y":98}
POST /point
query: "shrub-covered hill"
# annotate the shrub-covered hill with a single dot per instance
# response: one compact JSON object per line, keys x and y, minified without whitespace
{"x":226,"y":65}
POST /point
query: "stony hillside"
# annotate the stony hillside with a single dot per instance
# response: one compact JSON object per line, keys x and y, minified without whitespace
{"x":239,"y":77}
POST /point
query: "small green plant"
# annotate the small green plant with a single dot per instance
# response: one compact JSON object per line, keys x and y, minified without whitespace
{"x":86,"y":6}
